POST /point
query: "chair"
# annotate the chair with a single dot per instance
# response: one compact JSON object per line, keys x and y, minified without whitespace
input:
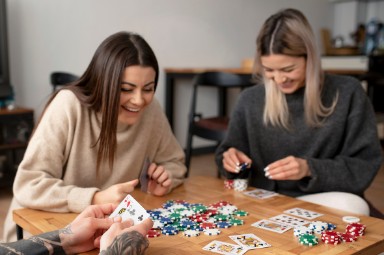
{"x":212,"y":128}
{"x":61,"y":79}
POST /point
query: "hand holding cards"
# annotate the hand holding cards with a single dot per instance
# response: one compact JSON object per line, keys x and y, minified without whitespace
{"x":129,"y":208}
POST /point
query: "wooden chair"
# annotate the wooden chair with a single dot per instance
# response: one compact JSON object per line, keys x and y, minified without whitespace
{"x":214,"y":127}
{"x":61,"y":79}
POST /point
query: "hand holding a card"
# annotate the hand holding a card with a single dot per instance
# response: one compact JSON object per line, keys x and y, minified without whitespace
{"x":160,"y":181}
{"x":233,"y":158}
{"x":115,"y":193}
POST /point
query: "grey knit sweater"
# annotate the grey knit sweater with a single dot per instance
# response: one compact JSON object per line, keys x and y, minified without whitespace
{"x":343,"y":155}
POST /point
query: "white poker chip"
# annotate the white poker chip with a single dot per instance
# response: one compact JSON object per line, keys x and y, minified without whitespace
{"x":351,"y":219}
{"x":212,"y":232}
{"x":190,"y":233}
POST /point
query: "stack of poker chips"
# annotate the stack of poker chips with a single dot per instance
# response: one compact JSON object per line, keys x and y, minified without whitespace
{"x":236,"y":184}
{"x":177,"y":216}
{"x":309,"y":240}
{"x":330,"y":237}
{"x":356,"y":229}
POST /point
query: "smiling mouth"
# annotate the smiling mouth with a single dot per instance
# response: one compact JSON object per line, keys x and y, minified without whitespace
{"x":131,"y":109}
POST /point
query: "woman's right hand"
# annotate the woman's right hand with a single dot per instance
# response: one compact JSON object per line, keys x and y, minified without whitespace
{"x":114,"y":194}
{"x":232,"y":158}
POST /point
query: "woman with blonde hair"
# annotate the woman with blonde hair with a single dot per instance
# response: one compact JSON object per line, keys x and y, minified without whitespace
{"x":302,"y":132}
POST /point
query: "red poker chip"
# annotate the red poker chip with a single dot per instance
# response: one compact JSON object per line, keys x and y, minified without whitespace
{"x":207,"y":225}
{"x":346,"y":237}
{"x":153,"y":233}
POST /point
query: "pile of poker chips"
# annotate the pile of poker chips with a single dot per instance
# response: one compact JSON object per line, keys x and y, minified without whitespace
{"x":236,"y":184}
{"x":307,"y":236}
{"x":193,"y":219}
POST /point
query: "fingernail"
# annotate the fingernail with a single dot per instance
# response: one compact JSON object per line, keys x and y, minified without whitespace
{"x":266,"y":169}
{"x":266,"y":174}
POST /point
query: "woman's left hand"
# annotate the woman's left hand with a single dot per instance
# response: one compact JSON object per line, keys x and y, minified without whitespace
{"x":159,"y":180}
{"x":289,"y":168}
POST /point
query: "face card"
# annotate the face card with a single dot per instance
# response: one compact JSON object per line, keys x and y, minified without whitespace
{"x":260,"y":193}
{"x":271,"y":226}
{"x":225,"y":248}
{"x":143,"y":178}
{"x":289,"y":220}
{"x":250,"y":241}
{"x":307,"y":214}
{"x":129,"y":208}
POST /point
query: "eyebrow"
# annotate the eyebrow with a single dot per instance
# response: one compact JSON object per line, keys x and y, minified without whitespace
{"x":285,"y":67}
{"x":134,"y":85}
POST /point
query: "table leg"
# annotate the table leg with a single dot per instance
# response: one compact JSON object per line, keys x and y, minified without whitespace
{"x":19,"y":232}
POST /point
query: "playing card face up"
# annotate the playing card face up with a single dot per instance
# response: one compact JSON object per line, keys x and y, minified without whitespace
{"x":250,"y":241}
{"x":289,"y":220}
{"x":271,"y":226}
{"x":260,"y":193}
{"x":307,"y":214}
{"x":129,"y":208}
{"x":225,"y":248}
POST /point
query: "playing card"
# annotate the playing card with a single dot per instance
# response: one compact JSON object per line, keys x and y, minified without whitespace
{"x":271,"y":226}
{"x":225,"y":248}
{"x":129,"y":208}
{"x":260,"y":193}
{"x":250,"y":241}
{"x":143,"y":178}
{"x":307,"y":214}
{"x":289,"y":220}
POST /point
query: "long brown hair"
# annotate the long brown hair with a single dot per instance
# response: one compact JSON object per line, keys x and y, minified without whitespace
{"x":288,"y":32}
{"x":99,"y":87}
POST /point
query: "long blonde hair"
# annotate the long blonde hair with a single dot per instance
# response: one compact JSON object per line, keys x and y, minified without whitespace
{"x":288,"y":32}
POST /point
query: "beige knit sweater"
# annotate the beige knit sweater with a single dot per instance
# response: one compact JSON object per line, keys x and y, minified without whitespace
{"x":58,"y":172}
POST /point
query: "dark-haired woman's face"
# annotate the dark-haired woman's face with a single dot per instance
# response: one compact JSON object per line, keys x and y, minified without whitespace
{"x":287,"y":72}
{"x":137,"y":91}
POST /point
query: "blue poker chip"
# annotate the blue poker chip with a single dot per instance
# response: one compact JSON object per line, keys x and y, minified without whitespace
{"x":165,"y":220}
{"x":187,"y":223}
{"x":223,"y":224}
{"x":331,"y":226}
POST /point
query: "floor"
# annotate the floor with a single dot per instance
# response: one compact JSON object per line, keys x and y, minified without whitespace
{"x":205,"y":165}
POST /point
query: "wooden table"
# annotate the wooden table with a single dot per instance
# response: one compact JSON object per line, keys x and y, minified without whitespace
{"x":173,"y":74}
{"x":208,"y":190}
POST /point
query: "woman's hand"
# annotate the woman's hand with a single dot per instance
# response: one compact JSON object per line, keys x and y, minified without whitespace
{"x":289,"y":168}
{"x":160,"y":181}
{"x":114,"y":194}
{"x":232,"y":158}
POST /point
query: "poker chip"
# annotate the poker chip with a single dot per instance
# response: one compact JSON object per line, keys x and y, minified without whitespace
{"x":236,"y":222}
{"x":356,"y":229}
{"x":191,"y":233}
{"x":153,"y":233}
{"x":346,"y":237}
{"x":212,"y":232}
{"x":207,"y":225}
{"x":308,"y":240}
{"x":240,"y":184}
{"x":318,"y":226}
{"x":223,"y":224}
{"x":228,"y":184}
{"x":351,"y":219}
{"x":330,"y":237}
{"x":302,"y":230}
{"x":241,"y":213}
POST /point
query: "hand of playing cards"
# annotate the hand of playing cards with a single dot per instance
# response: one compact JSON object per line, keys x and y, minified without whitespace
{"x":129,"y":208}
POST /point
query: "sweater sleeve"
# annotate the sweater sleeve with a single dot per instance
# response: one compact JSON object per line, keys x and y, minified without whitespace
{"x":355,"y":166}
{"x":169,"y":153}
{"x":38,"y":183}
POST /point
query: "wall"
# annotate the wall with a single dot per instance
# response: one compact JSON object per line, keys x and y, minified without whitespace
{"x":51,"y":35}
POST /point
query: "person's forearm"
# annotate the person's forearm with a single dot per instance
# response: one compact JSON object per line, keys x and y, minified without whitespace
{"x":128,"y":243}
{"x":47,"y":243}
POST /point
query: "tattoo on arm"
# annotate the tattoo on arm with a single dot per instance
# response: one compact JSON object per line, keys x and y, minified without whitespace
{"x":129,"y":243}
{"x":46,"y":243}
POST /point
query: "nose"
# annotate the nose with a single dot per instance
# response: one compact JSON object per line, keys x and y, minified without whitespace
{"x":279,"y":78}
{"x":137,"y":98}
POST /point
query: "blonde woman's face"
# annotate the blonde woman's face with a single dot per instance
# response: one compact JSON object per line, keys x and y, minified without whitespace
{"x":137,"y":91}
{"x":287,"y":72}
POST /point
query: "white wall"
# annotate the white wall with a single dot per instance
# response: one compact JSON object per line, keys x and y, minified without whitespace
{"x":51,"y":35}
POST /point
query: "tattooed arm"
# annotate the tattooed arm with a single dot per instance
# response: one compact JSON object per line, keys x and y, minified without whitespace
{"x":85,"y":233}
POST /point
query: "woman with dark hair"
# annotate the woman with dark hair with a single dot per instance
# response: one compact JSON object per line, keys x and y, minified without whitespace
{"x":302,"y":132}
{"x":96,"y":134}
